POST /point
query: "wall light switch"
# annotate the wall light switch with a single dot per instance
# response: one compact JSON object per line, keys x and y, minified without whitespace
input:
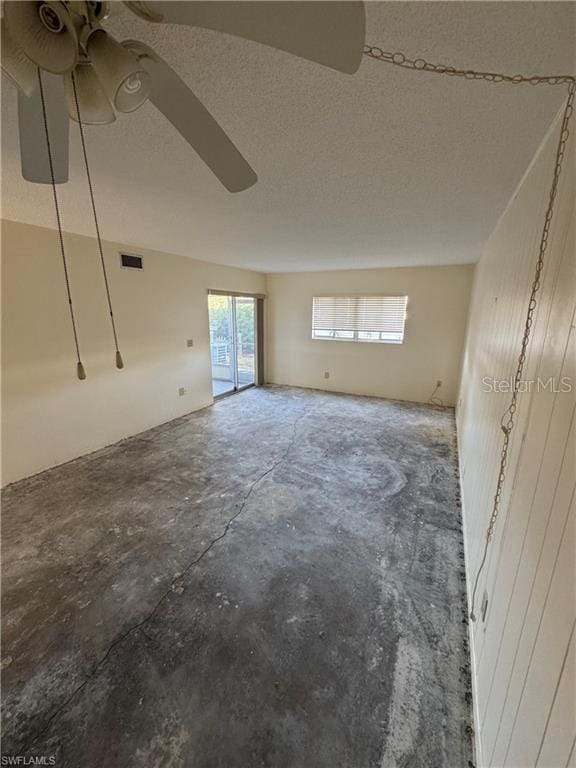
{"x":189,"y":342}
{"x":326,"y":374}
{"x":182,"y":391}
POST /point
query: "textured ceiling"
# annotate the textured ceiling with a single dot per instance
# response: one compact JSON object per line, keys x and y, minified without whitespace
{"x":384,"y":168}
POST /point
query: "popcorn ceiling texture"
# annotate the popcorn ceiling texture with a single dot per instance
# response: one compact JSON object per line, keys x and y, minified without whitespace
{"x":384,"y":168}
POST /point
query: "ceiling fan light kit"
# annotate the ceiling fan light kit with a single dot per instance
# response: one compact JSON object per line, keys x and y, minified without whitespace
{"x":95,"y":106}
{"x":125,"y":81}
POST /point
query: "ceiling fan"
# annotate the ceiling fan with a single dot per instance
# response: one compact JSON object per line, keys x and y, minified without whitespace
{"x":67,"y":43}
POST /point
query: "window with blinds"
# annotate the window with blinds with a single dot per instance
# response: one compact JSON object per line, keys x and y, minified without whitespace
{"x":359,"y":318}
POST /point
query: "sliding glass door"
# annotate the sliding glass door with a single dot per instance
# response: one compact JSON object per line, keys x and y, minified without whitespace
{"x":232,"y":342}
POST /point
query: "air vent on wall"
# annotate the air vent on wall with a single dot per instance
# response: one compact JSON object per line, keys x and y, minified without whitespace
{"x":129,"y":261}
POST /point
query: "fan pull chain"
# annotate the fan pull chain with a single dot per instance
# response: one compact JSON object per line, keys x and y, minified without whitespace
{"x":80,"y":370}
{"x":507,"y":421}
{"x":119,"y":361}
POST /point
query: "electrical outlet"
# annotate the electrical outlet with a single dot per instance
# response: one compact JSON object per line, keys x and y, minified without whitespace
{"x":189,"y":342}
{"x":182,"y":391}
{"x":326,"y":374}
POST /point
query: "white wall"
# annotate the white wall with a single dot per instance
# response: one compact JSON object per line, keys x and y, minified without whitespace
{"x":48,"y":415}
{"x":438,"y":299}
{"x":524,"y":654}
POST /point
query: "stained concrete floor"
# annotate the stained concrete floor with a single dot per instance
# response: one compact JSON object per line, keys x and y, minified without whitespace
{"x":274,"y":581}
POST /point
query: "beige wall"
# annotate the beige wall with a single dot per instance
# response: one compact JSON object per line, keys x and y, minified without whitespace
{"x":524,"y":655}
{"x":438,"y":300}
{"x":48,"y":416}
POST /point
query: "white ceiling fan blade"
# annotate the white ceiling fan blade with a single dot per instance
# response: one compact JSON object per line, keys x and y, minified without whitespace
{"x":189,"y":116}
{"x":329,"y":33}
{"x":33,"y":149}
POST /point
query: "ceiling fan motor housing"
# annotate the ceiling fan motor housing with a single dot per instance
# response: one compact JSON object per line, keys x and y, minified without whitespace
{"x":51,"y":20}
{"x":45,"y":32}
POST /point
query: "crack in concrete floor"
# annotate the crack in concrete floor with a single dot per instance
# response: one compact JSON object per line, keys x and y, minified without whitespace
{"x":170,"y":589}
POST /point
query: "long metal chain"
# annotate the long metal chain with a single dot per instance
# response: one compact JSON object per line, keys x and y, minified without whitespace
{"x":119,"y":361}
{"x":80,"y":372}
{"x":400,"y":60}
{"x":507,"y":422}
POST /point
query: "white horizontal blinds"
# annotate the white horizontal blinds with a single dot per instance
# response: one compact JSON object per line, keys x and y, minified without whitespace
{"x":334,"y":313}
{"x":361,"y":314}
{"x":384,"y":314}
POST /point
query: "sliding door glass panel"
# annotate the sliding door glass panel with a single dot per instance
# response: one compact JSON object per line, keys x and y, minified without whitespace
{"x":245,"y":317}
{"x":232,"y":342}
{"x":223,"y":354}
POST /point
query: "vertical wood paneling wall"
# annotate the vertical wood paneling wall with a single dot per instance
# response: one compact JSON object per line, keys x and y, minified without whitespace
{"x":524,"y":651}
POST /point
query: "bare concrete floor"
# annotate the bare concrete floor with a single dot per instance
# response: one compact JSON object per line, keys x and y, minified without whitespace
{"x":275,"y":581}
